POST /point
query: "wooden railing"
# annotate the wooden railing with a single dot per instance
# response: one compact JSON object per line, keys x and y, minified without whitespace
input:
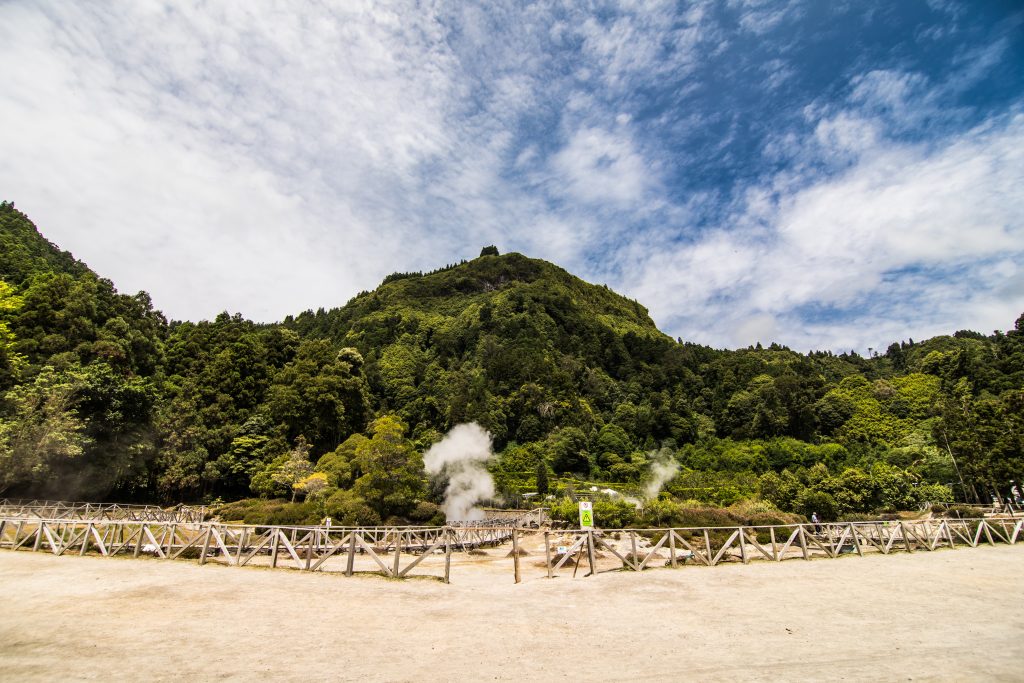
{"x":58,"y":509}
{"x":397,"y":551}
{"x":639,"y":549}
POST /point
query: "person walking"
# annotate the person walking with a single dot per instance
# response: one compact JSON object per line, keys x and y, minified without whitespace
{"x":816,"y":522}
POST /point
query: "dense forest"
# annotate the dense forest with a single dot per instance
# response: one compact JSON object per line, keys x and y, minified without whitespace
{"x":104,"y":398}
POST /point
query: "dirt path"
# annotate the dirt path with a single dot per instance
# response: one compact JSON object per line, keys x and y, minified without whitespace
{"x":948,"y":615}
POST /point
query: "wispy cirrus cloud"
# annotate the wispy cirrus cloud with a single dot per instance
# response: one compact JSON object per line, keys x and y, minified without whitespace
{"x":742,"y":168}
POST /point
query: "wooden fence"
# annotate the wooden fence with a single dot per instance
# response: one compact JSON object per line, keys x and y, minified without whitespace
{"x":392,"y":551}
{"x":58,"y":509}
{"x":639,"y":549}
{"x":397,"y":551}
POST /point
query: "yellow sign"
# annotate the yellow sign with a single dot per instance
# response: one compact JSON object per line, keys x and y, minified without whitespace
{"x":586,"y":514}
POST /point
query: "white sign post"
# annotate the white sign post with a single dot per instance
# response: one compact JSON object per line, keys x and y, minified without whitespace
{"x":586,"y":514}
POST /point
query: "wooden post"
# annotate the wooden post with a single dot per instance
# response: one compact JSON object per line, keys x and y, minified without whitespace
{"x":632,"y":544}
{"x":241,"y":544}
{"x":398,"y":552}
{"x":206,"y":545}
{"x":515,"y":553}
{"x":906,"y":541}
{"x":590,"y":553}
{"x":547,"y":552}
{"x":775,"y":546}
{"x":803,"y":542}
{"x":672,"y":547}
{"x":856,"y":541}
{"x":743,"y":546}
{"x":707,"y":545}
{"x":447,"y":554}
{"x":313,"y":536}
{"x":350,"y":565}
{"x":39,"y":536}
{"x":85,"y":539}
{"x":273,"y":552}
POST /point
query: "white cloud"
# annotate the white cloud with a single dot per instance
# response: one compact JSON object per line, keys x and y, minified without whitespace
{"x":598,"y":166}
{"x":859,"y":240}
{"x":267,"y":158}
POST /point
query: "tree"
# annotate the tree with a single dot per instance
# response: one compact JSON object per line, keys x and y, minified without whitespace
{"x":340,"y":465}
{"x":296,"y":468}
{"x":11,"y":362}
{"x":321,"y":394}
{"x":43,"y":431}
{"x":542,"y":478}
{"x":490,"y":250}
{"x":393,"y":475}
{"x":567,"y":448}
{"x":312,"y":486}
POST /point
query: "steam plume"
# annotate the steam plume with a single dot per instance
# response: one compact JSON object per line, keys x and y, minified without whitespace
{"x":663,"y":467}
{"x":461,"y":456}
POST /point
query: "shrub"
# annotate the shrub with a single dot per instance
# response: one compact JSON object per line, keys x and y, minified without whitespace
{"x":427,"y":513}
{"x":960,"y":512}
{"x":269,"y":512}
{"x":810,"y":501}
{"x":348,"y":509}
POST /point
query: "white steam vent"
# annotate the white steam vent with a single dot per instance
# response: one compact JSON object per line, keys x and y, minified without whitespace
{"x":462,"y":457}
{"x":664,"y":466}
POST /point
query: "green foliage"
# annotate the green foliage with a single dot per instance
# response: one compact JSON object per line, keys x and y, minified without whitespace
{"x":43,"y":431}
{"x":103,"y":397}
{"x":392,"y":479}
{"x":269,"y":512}
{"x":348,"y":509}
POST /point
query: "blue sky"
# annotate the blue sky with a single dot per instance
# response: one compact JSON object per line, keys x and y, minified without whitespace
{"x":827,"y":175}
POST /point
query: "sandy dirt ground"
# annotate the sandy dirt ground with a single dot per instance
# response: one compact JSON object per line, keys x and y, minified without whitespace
{"x":950,"y":615}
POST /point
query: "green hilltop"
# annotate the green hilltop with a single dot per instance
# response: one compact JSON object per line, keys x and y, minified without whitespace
{"x":102,"y":397}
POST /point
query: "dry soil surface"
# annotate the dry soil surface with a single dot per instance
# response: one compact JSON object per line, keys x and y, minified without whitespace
{"x":950,"y":615}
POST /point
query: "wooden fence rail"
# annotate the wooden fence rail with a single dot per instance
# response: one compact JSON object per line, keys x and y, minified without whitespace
{"x":57,"y":509}
{"x":639,"y":549}
{"x":392,"y":551}
{"x":397,"y":551}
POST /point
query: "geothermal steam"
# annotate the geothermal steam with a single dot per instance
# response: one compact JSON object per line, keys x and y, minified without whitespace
{"x":663,"y":467}
{"x":462,"y":457}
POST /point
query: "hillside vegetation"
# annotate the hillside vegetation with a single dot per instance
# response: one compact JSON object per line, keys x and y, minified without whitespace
{"x":104,"y":398}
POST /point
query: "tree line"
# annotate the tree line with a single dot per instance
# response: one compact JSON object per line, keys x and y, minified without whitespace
{"x":102,"y":397}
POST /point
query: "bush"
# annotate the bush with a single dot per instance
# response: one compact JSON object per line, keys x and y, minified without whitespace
{"x":427,"y":513}
{"x":959,"y":512}
{"x":345,"y":508}
{"x":276,"y":512}
{"x":810,"y":501}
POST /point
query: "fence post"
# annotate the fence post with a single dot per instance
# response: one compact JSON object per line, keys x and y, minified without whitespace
{"x":906,"y":541}
{"x":515,"y":553}
{"x":447,"y":554}
{"x":350,"y":565}
{"x":206,"y":545}
{"x":39,"y":536}
{"x":85,"y":539}
{"x":547,"y":552}
{"x":672,"y":547}
{"x":590,"y":552}
{"x":273,"y":553}
{"x":398,"y":551}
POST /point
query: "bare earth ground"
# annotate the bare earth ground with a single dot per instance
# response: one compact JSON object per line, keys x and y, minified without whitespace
{"x":950,"y":615}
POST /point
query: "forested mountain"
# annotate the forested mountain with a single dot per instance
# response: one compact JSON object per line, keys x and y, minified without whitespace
{"x":103,"y":398}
